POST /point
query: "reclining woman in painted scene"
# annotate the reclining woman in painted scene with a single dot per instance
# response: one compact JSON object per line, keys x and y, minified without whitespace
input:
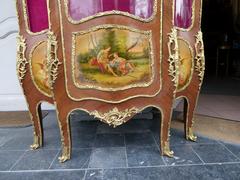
{"x":118,"y":66}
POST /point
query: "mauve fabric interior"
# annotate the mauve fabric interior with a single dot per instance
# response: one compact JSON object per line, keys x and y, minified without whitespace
{"x":183,"y":13}
{"x":37,"y":14}
{"x":79,"y":9}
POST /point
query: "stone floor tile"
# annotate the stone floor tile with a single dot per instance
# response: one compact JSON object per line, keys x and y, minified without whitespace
{"x":178,"y":138}
{"x":139,"y":139}
{"x":109,"y":140}
{"x":183,"y":155}
{"x":17,"y":143}
{"x":44,"y":175}
{"x":116,"y":174}
{"x":83,"y":141}
{"x":79,"y":160}
{"x":94,"y":175}
{"x":214,"y":153}
{"x":144,"y":156}
{"x":9,"y":158}
{"x":235,"y":149}
{"x":224,"y":171}
{"x":108,"y":158}
{"x":36,"y":160}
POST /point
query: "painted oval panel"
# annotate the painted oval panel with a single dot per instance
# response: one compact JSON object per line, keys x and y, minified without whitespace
{"x":39,"y":68}
{"x":183,"y":13}
{"x":186,"y":64}
{"x":79,"y":9}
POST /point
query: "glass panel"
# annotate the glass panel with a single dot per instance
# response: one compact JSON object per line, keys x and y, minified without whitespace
{"x":183,"y":13}
{"x":37,"y":15}
{"x":80,"y":9}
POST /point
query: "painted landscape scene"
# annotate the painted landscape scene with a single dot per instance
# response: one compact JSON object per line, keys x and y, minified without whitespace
{"x":112,"y":58}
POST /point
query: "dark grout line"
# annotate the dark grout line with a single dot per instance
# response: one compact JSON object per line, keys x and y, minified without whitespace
{"x":90,"y":157}
{"x":198,"y":155}
{"x":102,"y":174}
{"x":85,"y":173}
{"x":13,"y":150}
{"x":87,"y":161}
{"x":59,"y":151}
{"x":158,"y":147}
{"x":18,"y":160}
{"x":230,"y":151}
{"x":124,"y":139}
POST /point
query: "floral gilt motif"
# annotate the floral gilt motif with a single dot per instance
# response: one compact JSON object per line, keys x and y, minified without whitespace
{"x":53,"y":62}
{"x":200,"y":58}
{"x":115,"y":117}
{"x":173,"y":56}
{"x":21,"y":59}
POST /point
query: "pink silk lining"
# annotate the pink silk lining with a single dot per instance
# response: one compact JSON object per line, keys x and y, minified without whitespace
{"x":37,"y":15}
{"x":183,"y":13}
{"x":80,"y":9}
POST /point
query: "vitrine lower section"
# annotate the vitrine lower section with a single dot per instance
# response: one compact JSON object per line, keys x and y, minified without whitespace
{"x":113,"y":65}
{"x":115,"y":115}
{"x":111,"y":60}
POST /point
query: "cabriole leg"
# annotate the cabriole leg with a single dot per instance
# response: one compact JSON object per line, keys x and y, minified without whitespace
{"x":64,"y":126}
{"x":36,"y":117}
{"x":188,"y":118}
{"x":165,"y":133}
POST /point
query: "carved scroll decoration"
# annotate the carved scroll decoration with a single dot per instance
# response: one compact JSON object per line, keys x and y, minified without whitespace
{"x":36,"y":142}
{"x":115,"y":117}
{"x":53,"y":62}
{"x":191,"y":135}
{"x":200,"y":58}
{"x":21,"y":59}
{"x":166,"y":150}
{"x":173,"y":56}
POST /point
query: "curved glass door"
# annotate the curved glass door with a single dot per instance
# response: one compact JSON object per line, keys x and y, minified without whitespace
{"x":80,"y":9}
{"x":37,"y":15}
{"x":183,"y":13}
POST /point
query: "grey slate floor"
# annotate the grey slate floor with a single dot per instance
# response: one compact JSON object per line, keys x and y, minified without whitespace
{"x":129,"y":152}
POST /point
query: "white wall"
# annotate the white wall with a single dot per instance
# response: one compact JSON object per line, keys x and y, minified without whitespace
{"x":11,"y":97}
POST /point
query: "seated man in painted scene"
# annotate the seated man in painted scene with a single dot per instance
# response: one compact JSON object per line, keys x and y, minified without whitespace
{"x":120,"y":65}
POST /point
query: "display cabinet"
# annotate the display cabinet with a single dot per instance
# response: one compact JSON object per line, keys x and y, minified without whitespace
{"x":32,"y":55}
{"x":187,"y":20}
{"x":113,"y":59}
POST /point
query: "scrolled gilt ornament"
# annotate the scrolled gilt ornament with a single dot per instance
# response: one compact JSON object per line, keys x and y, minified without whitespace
{"x":65,"y":155}
{"x":200,"y":58}
{"x":115,"y":117}
{"x":167,"y":151}
{"x":173,"y":56}
{"x":21,"y":59}
{"x":191,"y":135}
{"x":52,"y":60}
{"x":36,"y":142}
